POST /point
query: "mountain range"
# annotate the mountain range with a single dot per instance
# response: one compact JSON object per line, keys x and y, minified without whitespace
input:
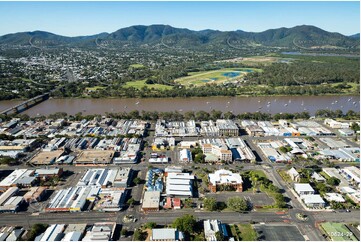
{"x":304,"y":36}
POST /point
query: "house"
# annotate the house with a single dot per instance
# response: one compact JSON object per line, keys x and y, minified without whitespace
{"x":227,"y":178}
{"x":313,"y":201}
{"x":303,"y":189}
{"x":334,"y":197}
{"x":293,"y":173}
{"x":211,"y":227}
{"x":317,"y":177}
{"x":166,"y":235}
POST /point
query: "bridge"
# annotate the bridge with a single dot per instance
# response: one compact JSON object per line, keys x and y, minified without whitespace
{"x":26,"y":105}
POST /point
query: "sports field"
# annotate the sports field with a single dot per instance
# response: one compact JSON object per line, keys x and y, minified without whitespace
{"x":214,"y":77}
{"x":338,"y":232}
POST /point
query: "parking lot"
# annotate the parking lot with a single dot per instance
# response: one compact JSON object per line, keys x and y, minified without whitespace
{"x":256,"y":199}
{"x":279,"y":232}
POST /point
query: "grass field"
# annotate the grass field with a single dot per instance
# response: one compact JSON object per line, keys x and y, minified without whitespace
{"x":248,"y":233}
{"x":136,"y":66}
{"x":338,"y":232}
{"x":141,"y":83}
{"x":215,"y":76}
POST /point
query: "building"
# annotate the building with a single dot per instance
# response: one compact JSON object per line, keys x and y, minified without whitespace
{"x":110,"y":200}
{"x":336,"y":124}
{"x":211,"y":227}
{"x":185,"y":156}
{"x":293,"y":173}
{"x":22,"y":177}
{"x":122,"y":178}
{"x":179,"y":184}
{"x":53,"y":233}
{"x":227,"y":127}
{"x":317,"y":177}
{"x":9,"y":202}
{"x":225,"y":178}
{"x":215,"y":150}
{"x":313,"y":201}
{"x":49,"y":172}
{"x":334,"y":197}
{"x":303,"y":189}
{"x":240,"y":151}
{"x":346,"y":132}
{"x":102,"y":231}
{"x":151,"y":201}
{"x":46,"y":157}
{"x":35,"y":194}
{"x":352,"y":174}
{"x":166,"y":235}
{"x":95,"y":157}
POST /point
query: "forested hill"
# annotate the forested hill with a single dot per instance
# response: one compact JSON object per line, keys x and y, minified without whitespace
{"x":303,"y":37}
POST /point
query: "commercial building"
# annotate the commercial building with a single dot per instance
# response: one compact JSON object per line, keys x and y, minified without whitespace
{"x":102,"y":231}
{"x":185,"y":156}
{"x":209,"y":128}
{"x":166,"y":234}
{"x":53,"y":233}
{"x":35,"y":194}
{"x":111,"y":200}
{"x":240,"y":151}
{"x":95,"y":157}
{"x":48,"y":172}
{"x":215,"y":150}
{"x":173,"y":129}
{"x":336,"y":124}
{"x":154,"y":180}
{"x":151,"y":201}
{"x":9,"y":202}
{"x":269,"y":149}
{"x":46,"y":157}
{"x":313,"y":201}
{"x":225,"y":178}
{"x":334,"y":144}
{"x":303,"y":189}
{"x":162,"y":143}
{"x":22,"y":177}
{"x":179,"y":184}
{"x":227,"y":127}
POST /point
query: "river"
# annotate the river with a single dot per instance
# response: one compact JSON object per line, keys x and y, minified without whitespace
{"x":285,"y":104}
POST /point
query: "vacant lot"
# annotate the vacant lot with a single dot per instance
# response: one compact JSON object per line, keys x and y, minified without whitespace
{"x":214,"y":77}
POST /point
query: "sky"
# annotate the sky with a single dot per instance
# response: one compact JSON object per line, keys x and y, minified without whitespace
{"x":87,"y":18}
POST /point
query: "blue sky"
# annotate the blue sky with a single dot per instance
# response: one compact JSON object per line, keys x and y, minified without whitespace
{"x":87,"y":18}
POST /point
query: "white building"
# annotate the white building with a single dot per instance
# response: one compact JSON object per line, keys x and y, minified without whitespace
{"x":293,"y":173}
{"x":211,"y":227}
{"x":225,"y":177}
{"x":334,"y":197}
{"x":303,"y":189}
{"x":185,"y":156}
{"x":313,"y":201}
{"x":179,"y":184}
{"x":166,"y":235}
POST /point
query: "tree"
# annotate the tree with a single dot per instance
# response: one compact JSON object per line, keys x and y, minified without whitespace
{"x":237,"y":204}
{"x":210,"y":203}
{"x":124,"y":232}
{"x":186,"y":223}
{"x":355,"y":127}
{"x":219,"y":236}
{"x":35,"y":230}
{"x":131,"y":201}
{"x":150,"y":225}
{"x":137,"y":180}
{"x":333,"y":181}
{"x":140,"y":235}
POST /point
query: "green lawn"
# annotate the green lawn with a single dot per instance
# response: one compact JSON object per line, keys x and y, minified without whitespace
{"x":338,"y":232}
{"x":136,"y":66}
{"x":141,"y":83}
{"x":215,"y":76}
{"x":248,"y":233}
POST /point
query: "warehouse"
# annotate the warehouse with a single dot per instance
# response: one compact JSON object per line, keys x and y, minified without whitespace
{"x":122,"y":178}
{"x":48,"y":172}
{"x":46,"y":157}
{"x":179,"y":184}
{"x":128,"y":155}
{"x":53,"y":233}
{"x":269,"y":150}
{"x":17,"y":175}
{"x":166,"y":234}
{"x":151,"y":201}
{"x":334,"y":144}
{"x":72,"y":199}
{"x":240,"y":151}
{"x":96,"y":177}
{"x":227,"y":127}
{"x":9,"y":202}
{"x":95,"y":157}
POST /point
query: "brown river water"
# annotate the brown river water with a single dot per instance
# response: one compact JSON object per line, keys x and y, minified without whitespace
{"x":279,"y":104}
